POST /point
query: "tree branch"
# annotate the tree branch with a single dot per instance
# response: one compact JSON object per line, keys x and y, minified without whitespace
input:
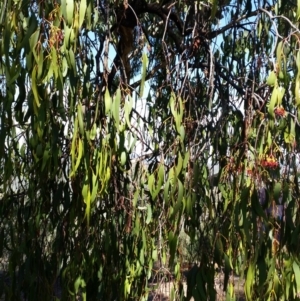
{"x":234,"y":23}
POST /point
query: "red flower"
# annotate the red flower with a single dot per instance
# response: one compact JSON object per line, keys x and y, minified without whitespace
{"x":270,"y":162}
{"x":280,"y":111}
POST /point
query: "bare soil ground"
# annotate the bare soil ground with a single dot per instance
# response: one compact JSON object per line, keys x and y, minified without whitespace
{"x":162,"y":293}
{"x":161,"y":290}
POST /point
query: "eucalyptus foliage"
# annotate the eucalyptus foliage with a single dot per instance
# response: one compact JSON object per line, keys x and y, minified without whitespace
{"x":100,"y":173}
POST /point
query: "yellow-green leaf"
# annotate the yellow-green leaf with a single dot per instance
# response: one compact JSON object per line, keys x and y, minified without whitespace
{"x":297,"y":90}
{"x":80,"y":118}
{"x":298,"y":60}
{"x":273,"y":103}
{"x":34,"y":88}
{"x":249,"y":281}
{"x":69,"y":11}
{"x":149,"y":214}
{"x":32,"y":43}
{"x":281,"y":92}
{"x":272,"y":78}
{"x":144,"y":70}
{"x":181,"y":133}
{"x":107,"y":101}
{"x":86,"y":193}
{"x":296,"y":270}
{"x":72,"y":60}
{"x":213,"y":8}
{"x":128,"y":108}
{"x":73,"y":146}
{"x":40,"y":65}
{"x":94,"y":188}
{"x":123,"y":158}
{"x":79,"y":156}
{"x":278,"y":55}
{"x":179,"y":164}
{"x":82,"y":10}
{"x":116,"y":106}
{"x":161,"y":175}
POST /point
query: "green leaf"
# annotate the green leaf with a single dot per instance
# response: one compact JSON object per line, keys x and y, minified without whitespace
{"x":107,"y":102}
{"x":79,"y":156}
{"x":277,"y":191}
{"x":151,"y":180}
{"x":281,"y":92}
{"x":179,"y":164}
{"x":94,"y":188}
{"x":69,"y":11}
{"x":161,"y":175}
{"x":73,"y":145}
{"x":292,"y":128}
{"x":77,"y":284}
{"x":144,"y":71}
{"x":33,"y":24}
{"x":297,"y":89}
{"x":219,"y":251}
{"x":89,"y":15}
{"x":40,"y":65}
{"x":32,"y":42}
{"x":186,"y":161}
{"x":72,"y":62}
{"x":298,"y":60}
{"x":46,"y":157}
{"x":116,"y":107}
{"x":249,"y":281}
{"x":154,"y":254}
{"x":135,"y":198}
{"x":213,"y":8}
{"x":80,"y":118}
{"x":273,"y":103}
{"x":180,"y":191}
{"x":172,"y":246}
{"x":82,"y":10}
{"x":178,"y":118}
{"x":123,"y":158}
{"x":227,"y":270}
{"x":93,"y":132}
{"x":296,"y":270}
{"x":128,"y":107}
{"x":67,"y":34}
{"x":272,"y":79}
{"x":181,"y":133}
{"x":142,"y":256}
{"x":34,"y":89}
{"x":259,"y":27}
{"x":166,"y":192}
{"x":86,"y":193}
{"x":172,"y":104}
{"x":54,"y":63}
{"x":279,"y":51}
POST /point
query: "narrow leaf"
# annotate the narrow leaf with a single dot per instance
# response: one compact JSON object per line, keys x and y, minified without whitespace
{"x":34,"y":88}
{"x":80,"y":118}
{"x":82,"y":10}
{"x":296,"y":270}
{"x":69,"y":11}
{"x":107,"y":102}
{"x":149,"y":214}
{"x":249,"y":281}
{"x":144,"y":70}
